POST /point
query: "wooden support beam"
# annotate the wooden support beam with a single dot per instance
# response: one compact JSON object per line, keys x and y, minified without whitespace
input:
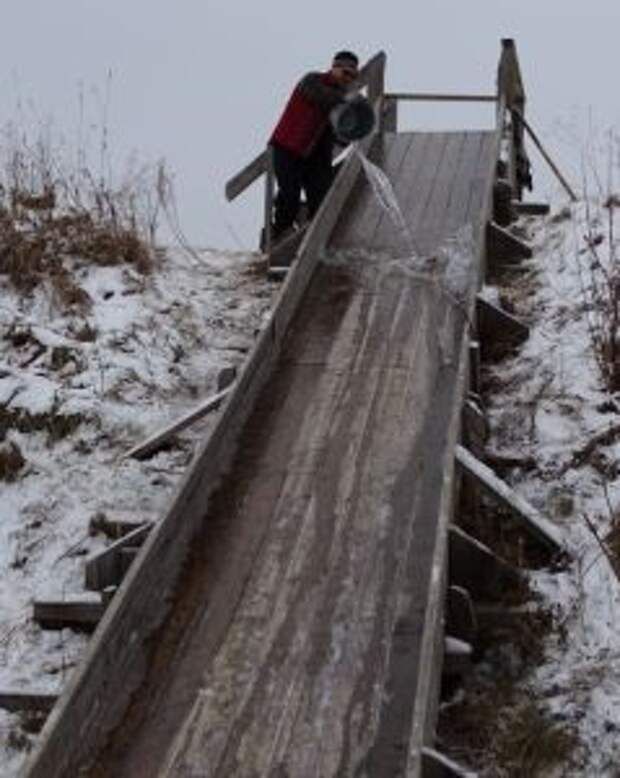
{"x":490,"y":616}
{"x":531,"y":209}
{"x":277,"y":273}
{"x":151,"y":445}
{"x":19,"y":701}
{"x":75,"y":614}
{"x":457,"y":657}
{"x":474,"y":366}
{"x":442,"y":98}
{"x":116,"y":525}
{"x":476,"y":398}
{"x":503,"y":209}
{"x":389,"y":115}
{"x":127,"y":555}
{"x":545,"y":155}
{"x":460,"y":614}
{"x":284,"y":252}
{"x":503,"y":247}
{"x":475,"y":426}
{"x":107,"y":594}
{"x":226,"y":377}
{"x":247,"y":176}
{"x":528,"y":518}
{"x":436,"y":765}
{"x":474,"y":567}
{"x":108,"y":566}
{"x":495,"y":324}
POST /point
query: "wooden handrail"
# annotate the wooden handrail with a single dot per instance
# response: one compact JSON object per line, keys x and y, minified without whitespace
{"x":548,"y":160}
{"x":245,"y":177}
{"x":511,"y":98}
{"x":421,"y":96}
{"x":509,"y":80}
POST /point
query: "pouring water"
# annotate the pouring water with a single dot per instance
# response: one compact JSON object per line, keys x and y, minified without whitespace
{"x":386,"y":197}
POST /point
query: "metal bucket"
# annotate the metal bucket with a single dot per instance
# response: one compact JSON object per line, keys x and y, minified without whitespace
{"x":352,"y":120}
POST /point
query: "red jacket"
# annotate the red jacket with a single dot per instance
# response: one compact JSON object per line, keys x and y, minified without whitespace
{"x":306,"y":114}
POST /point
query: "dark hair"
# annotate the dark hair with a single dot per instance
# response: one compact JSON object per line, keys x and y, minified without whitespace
{"x":345,"y":58}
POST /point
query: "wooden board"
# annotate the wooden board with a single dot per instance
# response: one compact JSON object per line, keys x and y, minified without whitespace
{"x":528,"y":517}
{"x":305,"y":637}
{"x":107,"y":567}
{"x":441,"y":181}
{"x":319,"y":573}
{"x":20,"y":701}
{"x":80,"y":615}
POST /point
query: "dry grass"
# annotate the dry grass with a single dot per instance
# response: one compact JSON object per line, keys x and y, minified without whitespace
{"x":506,"y":735}
{"x":11,"y":461}
{"x":54,"y":213}
{"x":57,"y":425}
{"x":599,"y":267}
{"x":495,"y":724}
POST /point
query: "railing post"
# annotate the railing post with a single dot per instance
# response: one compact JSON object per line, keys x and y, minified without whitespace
{"x":269,"y":187}
{"x":375,"y":78}
{"x":511,"y":97}
{"x":389,"y":114}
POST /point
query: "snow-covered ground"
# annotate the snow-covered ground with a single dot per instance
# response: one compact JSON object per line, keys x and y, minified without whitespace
{"x":76,"y":393}
{"x":549,"y":406}
{"x":151,"y":349}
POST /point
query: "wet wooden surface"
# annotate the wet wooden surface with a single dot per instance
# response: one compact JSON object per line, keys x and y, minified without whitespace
{"x":294,"y":643}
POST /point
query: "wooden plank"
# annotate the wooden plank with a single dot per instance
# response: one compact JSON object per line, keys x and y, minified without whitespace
{"x":427,"y":691}
{"x":115,"y":525}
{"x":20,"y":701}
{"x":107,"y":567}
{"x":438,"y":97}
{"x":481,"y":193}
{"x":547,"y":158}
{"x":473,"y":566}
{"x":389,"y":115}
{"x":496,"y":324}
{"x":491,"y":617}
{"x":466,"y":172}
{"x":475,"y":426}
{"x":127,"y":556}
{"x":373,"y":75}
{"x":277,"y":273}
{"x":461,"y":615}
{"x":527,"y":517}
{"x":240,"y":182}
{"x":433,"y":230}
{"x":503,"y":247}
{"x":84,"y":615}
{"x":266,"y":238}
{"x":457,"y":657}
{"x":285,"y":251}
{"x":425,"y":164}
{"x":474,"y":366}
{"x":150,"y":445}
{"x":531,"y":209}
{"x":436,"y":765}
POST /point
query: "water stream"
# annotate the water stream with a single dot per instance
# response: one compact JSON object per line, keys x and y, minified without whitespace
{"x":386,"y":197}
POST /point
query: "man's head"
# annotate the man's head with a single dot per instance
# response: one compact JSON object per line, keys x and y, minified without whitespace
{"x":345,"y":67}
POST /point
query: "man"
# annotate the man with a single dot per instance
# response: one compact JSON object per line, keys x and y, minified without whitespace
{"x":303,"y":140}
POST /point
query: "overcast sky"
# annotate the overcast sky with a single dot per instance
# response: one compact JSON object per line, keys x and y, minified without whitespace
{"x":202,"y":83}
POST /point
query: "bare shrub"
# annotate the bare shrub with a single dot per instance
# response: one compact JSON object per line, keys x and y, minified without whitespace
{"x":599,"y":267}
{"x":54,"y":211}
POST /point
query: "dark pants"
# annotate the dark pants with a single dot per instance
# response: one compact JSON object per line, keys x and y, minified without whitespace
{"x":312,"y":174}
